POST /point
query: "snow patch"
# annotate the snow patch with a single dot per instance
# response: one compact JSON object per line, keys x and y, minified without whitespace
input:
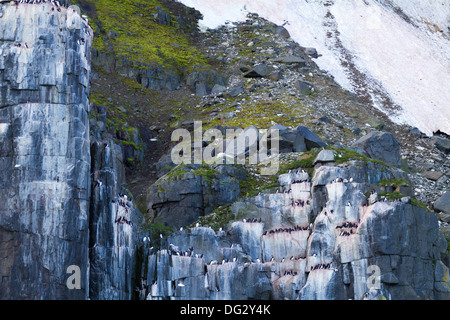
{"x":403,"y":61}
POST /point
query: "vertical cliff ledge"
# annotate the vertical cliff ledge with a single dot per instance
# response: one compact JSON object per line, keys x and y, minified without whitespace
{"x":44,"y":150}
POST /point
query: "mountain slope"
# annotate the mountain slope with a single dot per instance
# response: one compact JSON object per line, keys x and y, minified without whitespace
{"x":394,"y":53}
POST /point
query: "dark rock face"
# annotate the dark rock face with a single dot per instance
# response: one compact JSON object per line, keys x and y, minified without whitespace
{"x":112,"y":227}
{"x":381,"y":146}
{"x":280,"y":30}
{"x":312,"y":52}
{"x":182,"y":195}
{"x":44,"y":151}
{"x":203,"y":81}
{"x":310,"y":138}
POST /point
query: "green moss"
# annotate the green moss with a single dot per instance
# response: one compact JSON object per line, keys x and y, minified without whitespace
{"x":155,"y":229}
{"x":343,"y":155}
{"x":219,"y":218}
{"x":129,"y":143}
{"x":253,"y":184}
{"x":130,"y":29}
{"x":394,"y":183}
{"x":206,"y":171}
{"x":305,"y":162}
{"x":176,"y":172}
{"x":392,"y":196}
{"x":417,"y":203}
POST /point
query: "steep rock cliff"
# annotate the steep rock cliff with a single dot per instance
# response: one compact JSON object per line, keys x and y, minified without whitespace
{"x":113,"y":220}
{"x":44,"y":150}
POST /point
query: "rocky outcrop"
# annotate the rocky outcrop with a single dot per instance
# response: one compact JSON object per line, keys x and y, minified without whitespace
{"x":381,"y":146}
{"x":44,"y":152}
{"x":314,"y":238}
{"x":188,"y":192}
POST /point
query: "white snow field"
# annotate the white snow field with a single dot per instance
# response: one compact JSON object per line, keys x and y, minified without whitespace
{"x":397,"y":52}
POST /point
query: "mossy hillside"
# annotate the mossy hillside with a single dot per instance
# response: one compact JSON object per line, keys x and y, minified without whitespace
{"x":262,"y":111}
{"x":130,"y":30}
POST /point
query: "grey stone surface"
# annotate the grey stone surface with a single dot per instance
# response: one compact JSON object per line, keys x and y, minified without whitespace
{"x":258,"y":71}
{"x":44,"y":153}
{"x":324,"y":156}
{"x":312,"y":52}
{"x":113,"y":224}
{"x":381,"y":146}
{"x":308,"y":243}
{"x":443,"y":203}
{"x":217,"y":89}
{"x":291,"y":60}
{"x":442,"y":144}
{"x":310,"y":138}
{"x":281,"y":31}
{"x":304,"y":87}
{"x":179,"y":199}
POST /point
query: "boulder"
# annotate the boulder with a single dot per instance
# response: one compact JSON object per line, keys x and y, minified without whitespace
{"x":442,"y":144}
{"x":291,"y":60}
{"x":188,"y":191}
{"x":281,"y":31}
{"x":443,"y":203}
{"x":304,"y":87}
{"x":236,"y":91}
{"x":201,"y":90}
{"x":312,"y":52}
{"x":433,"y":175}
{"x":258,"y":71}
{"x":380,"y":146}
{"x":217,"y":89}
{"x":311,"y":139}
{"x":289,"y":140}
{"x":324,"y":156}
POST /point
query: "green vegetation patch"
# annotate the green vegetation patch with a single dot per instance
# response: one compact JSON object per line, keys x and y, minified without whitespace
{"x":344,"y":155}
{"x":305,"y":161}
{"x":420,"y":204}
{"x":219,"y":218}
{"x":156,"y":229}
{"x":392,"y":196}
{"x":131,"y":29}
{"x":394,"y":183}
